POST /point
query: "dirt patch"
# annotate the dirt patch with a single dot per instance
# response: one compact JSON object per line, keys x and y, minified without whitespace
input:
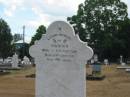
{"x":116,"y":84}
{"x":16,"y":84}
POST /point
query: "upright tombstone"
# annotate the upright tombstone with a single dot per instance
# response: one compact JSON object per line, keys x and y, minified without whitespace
{"x":96,"y":69}
{"x":26,"y":61}
{"x":106,"y":62}
{"x":95,"y":57}
{"x":121,"y":59}
{"x":60,"y":59}
{"x":15,"y":61}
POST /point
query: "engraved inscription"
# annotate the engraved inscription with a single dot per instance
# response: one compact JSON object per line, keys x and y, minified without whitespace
{"x":59,"y":49}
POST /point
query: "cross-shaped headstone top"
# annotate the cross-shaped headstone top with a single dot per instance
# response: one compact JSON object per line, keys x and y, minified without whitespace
{"x":60,"y":59}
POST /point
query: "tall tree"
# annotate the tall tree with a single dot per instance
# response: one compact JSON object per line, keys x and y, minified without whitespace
{"x":5,"y":39}
{"x":97,"y":22}
{"x":41,"y":30}
{"x":123,"y":38}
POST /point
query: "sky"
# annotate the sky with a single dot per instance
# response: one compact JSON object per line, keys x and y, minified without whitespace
{"x":33,"y":13}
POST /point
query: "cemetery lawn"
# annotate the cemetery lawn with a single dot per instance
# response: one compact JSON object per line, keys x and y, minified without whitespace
{"x":115,"y":84}
{"x":16,"y":84}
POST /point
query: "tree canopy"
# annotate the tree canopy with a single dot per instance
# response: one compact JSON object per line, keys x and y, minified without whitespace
{"x":5,"y":39}
{"x":41,"y":30}
{"x":98,"y":23}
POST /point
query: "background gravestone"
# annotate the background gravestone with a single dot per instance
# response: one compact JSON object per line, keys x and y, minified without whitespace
{"x":96,"y":69}
{"x":96,"y":66}
{"x":60,"y":59}
{"x":106,"y":62}
{"x":15,"y":61}
{"x":26,"y":61}
{"x":121,"y":61}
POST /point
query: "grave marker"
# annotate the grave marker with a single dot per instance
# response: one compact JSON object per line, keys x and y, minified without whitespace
{"x":15,"y":61}
{"x":121,"y":59}
{"x":106,"y":62}
{"x":60,"y":59}
{"x":96,"y":69}
{"x":26,"y":61}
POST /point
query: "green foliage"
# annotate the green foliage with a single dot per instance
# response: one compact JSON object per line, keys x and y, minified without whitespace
{"x":123,"y":38}
{"x":98,"y":22}
{"x":41,"y":30}
{"x":5,"y":39}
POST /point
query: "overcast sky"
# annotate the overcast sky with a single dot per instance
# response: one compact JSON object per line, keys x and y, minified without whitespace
{"x":33,"y":13}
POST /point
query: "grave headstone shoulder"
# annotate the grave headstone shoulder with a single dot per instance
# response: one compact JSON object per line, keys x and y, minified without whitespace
{"x":60,"y":59}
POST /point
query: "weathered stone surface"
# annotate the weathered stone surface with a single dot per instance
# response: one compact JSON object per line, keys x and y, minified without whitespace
{"x":60,"y":59}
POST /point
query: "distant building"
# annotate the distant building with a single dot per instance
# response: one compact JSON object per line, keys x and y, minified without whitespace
{"x":19,"y":44}
{"x":22,"y":48}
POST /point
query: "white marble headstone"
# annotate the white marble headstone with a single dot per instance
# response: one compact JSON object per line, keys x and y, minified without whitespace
{"x":60,"y":59}
{"x":15,"y":61}
{"x":26,"y":60}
